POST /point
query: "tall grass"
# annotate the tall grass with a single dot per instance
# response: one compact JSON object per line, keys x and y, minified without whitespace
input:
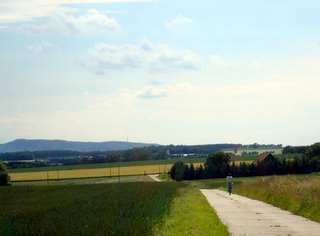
{"x":102,"y":209}
{"x":298,"y":194}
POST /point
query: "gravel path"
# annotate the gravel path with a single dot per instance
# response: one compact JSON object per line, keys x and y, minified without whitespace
{"x":244,"y":216}
{"x":154,"y":177}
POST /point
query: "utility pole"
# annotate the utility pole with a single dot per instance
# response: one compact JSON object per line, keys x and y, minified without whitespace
{"x":118,"y":172}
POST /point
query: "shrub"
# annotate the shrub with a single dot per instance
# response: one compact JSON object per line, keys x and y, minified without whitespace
{"x":178,"y":171}
{"x":4,"y":176}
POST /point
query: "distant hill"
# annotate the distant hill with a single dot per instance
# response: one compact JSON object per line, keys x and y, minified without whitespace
{"x":20,"y":145}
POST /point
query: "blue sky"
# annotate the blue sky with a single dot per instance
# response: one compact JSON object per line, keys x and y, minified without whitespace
{"x":180,"y":72}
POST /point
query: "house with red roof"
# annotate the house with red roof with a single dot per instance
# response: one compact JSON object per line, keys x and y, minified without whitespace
{"x":262,"y":157}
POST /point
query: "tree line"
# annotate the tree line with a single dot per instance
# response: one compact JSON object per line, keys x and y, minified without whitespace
{"x":219,"y":164}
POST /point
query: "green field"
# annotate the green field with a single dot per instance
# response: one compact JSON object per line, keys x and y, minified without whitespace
{"x":98,"y":209}
{"x":240,"y":151}
{"x":101,"y":180}
{"x":93,"y":207}
{"x":145,"y":208}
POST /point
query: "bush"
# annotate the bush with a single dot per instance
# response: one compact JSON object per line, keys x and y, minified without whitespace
{"x":178,"y":171}
{"x":4,"y":176}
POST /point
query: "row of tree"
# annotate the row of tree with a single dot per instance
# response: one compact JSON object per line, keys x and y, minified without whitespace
{"x":219,"y":164}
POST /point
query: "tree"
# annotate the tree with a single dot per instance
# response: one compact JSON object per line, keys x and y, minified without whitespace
{"x":243,"y":169}
{"x":4,"y":176}
{"x":313,"y":150}
{"x":217,"y":165}
{"x":191,"y":172}
{"x":199,"y":172}
{"x":177,"y":171}
{"x":234,"y":169}
{"x":186,"y":174}
{"x":315,"y":164}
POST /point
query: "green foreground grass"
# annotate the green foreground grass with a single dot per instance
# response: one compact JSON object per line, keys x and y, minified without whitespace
{"x":299,"y":194}
{"x":101,"y":209}
{"x":191,"y":214}
{"x":140,"y":208}
{"x":143,"y":208}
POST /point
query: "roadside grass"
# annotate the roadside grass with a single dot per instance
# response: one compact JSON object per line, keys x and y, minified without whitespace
{"x":100,"y":209}
{"x":191,"y":214}
{"x":299,"y":194}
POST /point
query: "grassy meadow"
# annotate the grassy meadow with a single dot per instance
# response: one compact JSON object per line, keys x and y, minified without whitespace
{"x":239,"y":151}
{"x":99,"y":209}
{"x":299,"y":194}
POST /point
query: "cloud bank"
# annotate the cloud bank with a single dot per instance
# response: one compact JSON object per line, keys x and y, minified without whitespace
{"x":23,"y":10}
{"x":91,"y":23}
{"x":156,"y":57}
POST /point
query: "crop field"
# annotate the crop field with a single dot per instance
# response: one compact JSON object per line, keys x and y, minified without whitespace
{"x":88,"y":173}
{"x":113,"y":164}
{"x":101,"y":209}
{"x":94,"y":172}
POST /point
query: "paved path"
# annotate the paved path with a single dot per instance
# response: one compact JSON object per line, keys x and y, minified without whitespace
{"x":244,"y":216}
{"x":154,"y":177}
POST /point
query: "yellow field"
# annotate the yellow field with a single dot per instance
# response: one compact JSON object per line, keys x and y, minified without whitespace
{"x":98,"y":172}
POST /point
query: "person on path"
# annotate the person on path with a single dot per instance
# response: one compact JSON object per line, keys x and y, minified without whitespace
{"x":230,"y":183}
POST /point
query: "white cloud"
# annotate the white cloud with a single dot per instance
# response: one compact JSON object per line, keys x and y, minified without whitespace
{"x":93,"y":22}
{"x":217,"y":60}
{"x":256,"y":65}
{"x":149,"y":92}
{"x":146,"y":54}
{"x":39,"y":46}
{"x":177,"y":22}
{"x":153,"y":92}
{"x":21,"y":10}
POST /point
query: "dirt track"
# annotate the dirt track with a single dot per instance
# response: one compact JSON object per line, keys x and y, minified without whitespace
{"x":244,"y":216}
{"x":155,"y":178}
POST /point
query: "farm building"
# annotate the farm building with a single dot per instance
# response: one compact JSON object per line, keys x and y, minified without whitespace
{"x":264,"y":157}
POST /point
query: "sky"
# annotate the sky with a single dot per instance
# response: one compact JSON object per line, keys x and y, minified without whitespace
{"x":160,"y":71}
